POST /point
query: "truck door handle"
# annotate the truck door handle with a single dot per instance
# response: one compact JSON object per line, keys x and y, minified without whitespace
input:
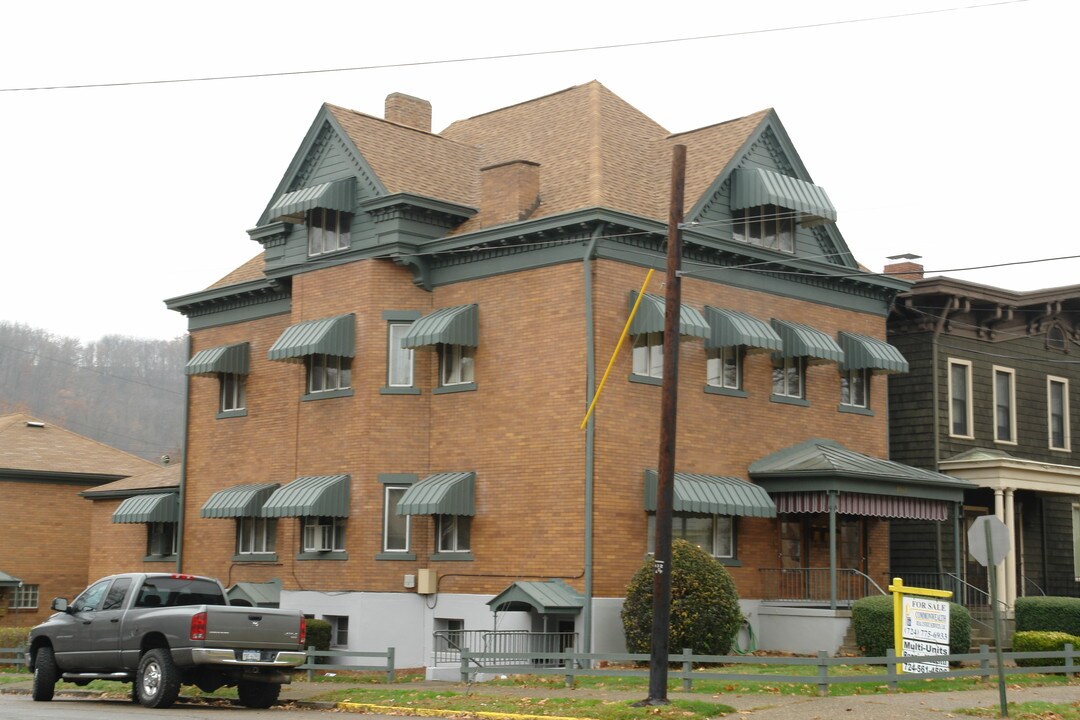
{"x":85,"y":622}
{"x":116,"y":619}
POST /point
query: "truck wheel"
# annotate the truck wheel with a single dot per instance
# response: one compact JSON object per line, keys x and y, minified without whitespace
{"x":257,"y":694}
{"x":158,"y":681}
{"x":45,"y":674}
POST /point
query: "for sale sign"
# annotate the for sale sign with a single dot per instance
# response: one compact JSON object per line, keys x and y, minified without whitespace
{"x":918,"y":647}
{"x":925,"y":631}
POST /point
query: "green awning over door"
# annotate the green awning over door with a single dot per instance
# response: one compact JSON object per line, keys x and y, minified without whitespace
{"x":866,"y":353}
{"x":804,"y":341}
{"x":232,"y":359}
{"x":712,"y":495}
{"x":754,"y":187}
{"x":731,"y":327}
{"x":238,"y":501}
{"x":547,"y":598}
{"x":328,"y":336}
{"x":459,"y":325}
{"x":336,"y":195}
{"x":163,"y":507}
{"x":441,"y":494}
{"x":312,"y":496}
{"x":9,"y":580}
{"x":650,"y":317}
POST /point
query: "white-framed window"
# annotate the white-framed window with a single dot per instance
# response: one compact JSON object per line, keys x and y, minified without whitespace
{"x":339,"y":630}
{"x":328,"y":230}
{"x":1057,"y":413}
{"x":789,"y":377}
{"x":395,"y":527}
{"x":456,"y":365}
{"x":328,"y":372}
{"x":1004,"y":405}
{"x":649,"y":354}
{"x":855,"y":388}
{"x":1055,"y":339}
{"x":161,"y":539}
{"x":960,"y":406}
{"x":23,"y":597}
{"x":768,"y":226}
{"x":323,"y":534}
{"x":256,"y":535}
{"x":453,"y":532}
{"x":723,"y":367}
{"x":399,"y":361}
{"x":715,"y":534}
{"x":233,"y":392}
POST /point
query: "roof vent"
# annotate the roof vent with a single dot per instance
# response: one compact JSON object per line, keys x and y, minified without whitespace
{"x":165,"y":459}
{"x":34,"y":423}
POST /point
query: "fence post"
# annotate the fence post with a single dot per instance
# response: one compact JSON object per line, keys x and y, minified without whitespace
{"x":390,"y":665}
{"x":984,"y":662}
{"x":1069,"y":660}
{"x":890,"y":663}
{"x":687,"y":668}
{"x":568,"y":663}
{"x":310,"y":662}
{"x":823,"y":673}
{"x":464,"y":665}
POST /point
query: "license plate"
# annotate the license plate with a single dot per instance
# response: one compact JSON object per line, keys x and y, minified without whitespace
{"x":251,"y":656}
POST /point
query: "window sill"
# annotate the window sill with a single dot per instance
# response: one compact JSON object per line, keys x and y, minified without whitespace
{"x":1005,"y":442}
{"x":396,"y":556}
{"x":160,"y":558}
{"x":729,"y":562}
{"x":1062,"y":450}
{"x":447,"y":389}
{"x":399,"y":391}
{"x":231,"y":413}
{"x":328,"y":555}
{"x":855,"y":410}
{"x":327,"y":394}
{"x":256,"y":558}
{"x":730,"y":392}
{"x":961,"y":437}
{"x":785,"y":400}
{"x":452,"y":557}
{"x":646,"y":379}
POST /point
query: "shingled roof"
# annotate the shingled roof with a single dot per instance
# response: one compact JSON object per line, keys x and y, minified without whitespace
{"x":29,"y":446}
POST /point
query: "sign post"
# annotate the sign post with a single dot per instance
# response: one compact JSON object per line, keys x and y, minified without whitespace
{"x":988,"y":542}
{"x":920,"y":625}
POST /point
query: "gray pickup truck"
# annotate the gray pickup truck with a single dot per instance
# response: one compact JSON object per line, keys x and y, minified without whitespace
{"x":159,"y":631}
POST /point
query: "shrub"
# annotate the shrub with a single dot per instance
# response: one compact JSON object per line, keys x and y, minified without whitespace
{"x":318,"y":635}
{"x":1051,"y":614}
{"x":872,"y":619}
{"x":12,"y":637}
{"x":705,"y":612}
{"x":1041,"y":641}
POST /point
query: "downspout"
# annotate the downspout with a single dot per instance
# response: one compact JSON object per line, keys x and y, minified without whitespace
{"x":590,"y":438}
{"x":939,"y":327}
{"x":183,"y":467}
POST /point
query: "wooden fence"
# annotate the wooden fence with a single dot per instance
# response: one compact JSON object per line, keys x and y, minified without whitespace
{"x":311,"y":665}
{"x":13,"y":656}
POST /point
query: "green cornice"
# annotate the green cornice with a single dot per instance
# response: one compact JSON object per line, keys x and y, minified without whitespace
{"x":230,"y":297}
{"x":418,"y":208}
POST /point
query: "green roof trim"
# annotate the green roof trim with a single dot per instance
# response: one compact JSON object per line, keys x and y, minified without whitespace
{"x":459,"y":325}
{"x":754,"y":187}
{"x":547,"y":597}
{"x":441,"y":494}
{"x":712,"y":495}
{"x":862,"y":352}
{"x":328,"y":336}
{"x":336,"y":195}
{"x":9,"y":580}
{"x":731,"y":327}
{"x":804,"y":341}
{"x":263,"y":594}
{"x":238,"y":501}
{"x":312,"y":496}
{"x":162,"y":507}
{"x":650,"y":317}
{"x":231,"y":359}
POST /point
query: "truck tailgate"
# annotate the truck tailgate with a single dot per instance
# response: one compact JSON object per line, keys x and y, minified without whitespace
{"x":251,"y":627}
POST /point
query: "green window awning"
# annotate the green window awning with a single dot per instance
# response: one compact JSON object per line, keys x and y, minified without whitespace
{"x":232,"y":359}
{"x":459,"y":325}
{"x":328,"y":336}
{"x":650,"y":317}
{"x":866,"y":353}
{"x":238,"y":501}
{"x":9,"y":580}
{"x":731,"y":327}
{"x":804,"y":341}
{"x":712,"y":495}
{"x":754,"y":187}
{"x":336,"y":195}
{"x":312,"y":496}
{"x":441,"y":494}
{"x":547,"y":598}
{"x":164,"y":507}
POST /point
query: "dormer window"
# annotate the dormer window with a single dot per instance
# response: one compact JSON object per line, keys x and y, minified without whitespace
{"x":328,"y":230}
{"x":766,"y":206}
{"x":767,"y":226}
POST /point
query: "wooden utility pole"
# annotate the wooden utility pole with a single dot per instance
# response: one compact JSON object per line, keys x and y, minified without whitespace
{"x":661,"y":617}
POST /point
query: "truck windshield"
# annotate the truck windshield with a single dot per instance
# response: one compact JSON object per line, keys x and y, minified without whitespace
{"x":173,"y":592}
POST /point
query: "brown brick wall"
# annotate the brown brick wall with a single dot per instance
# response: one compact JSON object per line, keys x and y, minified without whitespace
{"x":118,"y":547}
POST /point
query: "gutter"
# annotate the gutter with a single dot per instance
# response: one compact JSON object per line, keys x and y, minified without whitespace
{"x":590,"y":438}
{"x":183,"y":466}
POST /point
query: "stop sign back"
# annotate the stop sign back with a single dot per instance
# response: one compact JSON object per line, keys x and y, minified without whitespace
{"x":998,"y":539}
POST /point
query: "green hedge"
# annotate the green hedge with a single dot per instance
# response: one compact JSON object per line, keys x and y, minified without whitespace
{"x":318,"y":635}
{"x":11,"y":637}
{"x":1049,"y":614}
{"x":872,"y":619}
{"x":1041,"y":641}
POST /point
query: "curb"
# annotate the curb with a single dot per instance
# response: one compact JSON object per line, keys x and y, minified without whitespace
{"x":431,"y":712}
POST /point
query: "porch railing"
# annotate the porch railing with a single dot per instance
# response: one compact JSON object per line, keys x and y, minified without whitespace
{"x":814,"y":585}
{"x":448,"y":645}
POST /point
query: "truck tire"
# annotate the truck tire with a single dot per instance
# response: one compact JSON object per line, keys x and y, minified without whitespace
{"x":257,"y":694}
{"x":158,"y":681}
{"x":45,"y":674}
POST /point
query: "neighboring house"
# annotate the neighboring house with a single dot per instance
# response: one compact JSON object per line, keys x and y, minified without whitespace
{"x":46,"y":546}
{"x":384,"y":404}
{"x":990,"y":398}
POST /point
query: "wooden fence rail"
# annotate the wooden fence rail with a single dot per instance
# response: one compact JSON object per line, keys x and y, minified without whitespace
{"x":312,"y":653}
{"x":13,"y":656}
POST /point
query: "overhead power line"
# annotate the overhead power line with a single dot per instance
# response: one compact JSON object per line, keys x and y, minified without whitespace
{"x":510,"y":56}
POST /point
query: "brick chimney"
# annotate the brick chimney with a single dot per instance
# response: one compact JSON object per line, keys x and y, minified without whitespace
{"x":509,"y":191}
{"x":408,"y":110}
{"x":906,"y":270}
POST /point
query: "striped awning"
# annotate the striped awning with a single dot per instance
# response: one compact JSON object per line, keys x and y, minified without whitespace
{"x":650,"y":317}
{"x":441,"y":494}
{"x":313,"y":496}
{"x":863,"y":504}
{"x":459,"y":325}
{"x":232,"y":359}
{"x":328,"y":336}
{"x":731,"y":327}
{"x":238,"y":501}
{"x":804,"y":341}
{"x":164,"y":507}
{"x":712,"y":495}
{"x":866,"y":353}
{"x":754,"y":187}
{"x":336,"y":195}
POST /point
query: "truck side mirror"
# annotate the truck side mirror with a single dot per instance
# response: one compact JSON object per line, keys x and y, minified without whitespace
{"x":60,"y":604}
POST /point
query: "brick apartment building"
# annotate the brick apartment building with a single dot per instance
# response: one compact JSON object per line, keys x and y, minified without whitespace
{"x":384,"y":404}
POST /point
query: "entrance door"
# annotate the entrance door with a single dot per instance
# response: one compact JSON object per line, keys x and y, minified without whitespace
{"x":793,"y":580}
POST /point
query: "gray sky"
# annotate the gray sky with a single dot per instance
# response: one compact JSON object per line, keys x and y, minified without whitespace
{"x":939,"y":128}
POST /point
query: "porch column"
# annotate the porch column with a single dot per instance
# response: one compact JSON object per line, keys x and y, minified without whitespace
{"x":832,"y":548}
{"x":1010,"y":558}
{"x":999,"y":511}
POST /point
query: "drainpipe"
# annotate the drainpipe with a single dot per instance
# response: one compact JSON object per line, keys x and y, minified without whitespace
{"x":590,"y":438}
{"x":939,"y":327}
{"x":183,"y":468}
